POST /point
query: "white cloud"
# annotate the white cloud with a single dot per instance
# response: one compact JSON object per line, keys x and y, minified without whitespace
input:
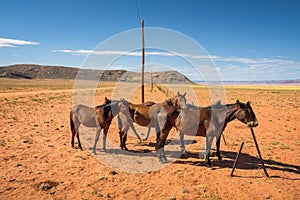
{"x":242,"y":60}
{"x":134,"y":53}
{"x":230,"y":68}
{"x":6,"y":42}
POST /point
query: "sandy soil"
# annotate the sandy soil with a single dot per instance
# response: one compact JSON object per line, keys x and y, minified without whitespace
{"x":37,"y":161}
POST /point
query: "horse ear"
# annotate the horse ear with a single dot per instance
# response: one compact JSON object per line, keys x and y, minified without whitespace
{"x":184,"y":94}
{"x":106,"y":100}
{"x":238,"y":104}
{"x":248,"y":103}
{"x":178,"y":93}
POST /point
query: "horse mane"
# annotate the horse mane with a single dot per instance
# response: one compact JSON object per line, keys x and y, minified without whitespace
{"x":149,"y":103}
{"x":107,"y":106}
{"x":169,"y":101}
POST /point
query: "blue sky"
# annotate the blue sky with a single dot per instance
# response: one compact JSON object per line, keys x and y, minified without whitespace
{"x":247,"y":40}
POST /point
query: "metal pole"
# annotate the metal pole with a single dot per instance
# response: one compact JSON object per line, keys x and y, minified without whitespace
{"x":143,"y":62}
{"x":258,"y":151}
{"x":236,"y":159}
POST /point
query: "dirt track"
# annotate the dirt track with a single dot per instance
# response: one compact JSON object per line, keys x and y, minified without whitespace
{"x":35,"y":149}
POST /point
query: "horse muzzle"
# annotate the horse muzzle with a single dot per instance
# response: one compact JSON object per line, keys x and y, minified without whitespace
{"x":252,"y":124}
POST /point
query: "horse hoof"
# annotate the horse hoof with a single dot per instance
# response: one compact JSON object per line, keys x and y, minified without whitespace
{"x":184,"y":152}
{"x":220,"y":158}
{"x":209,"y":166}
{"x":201,"y":155}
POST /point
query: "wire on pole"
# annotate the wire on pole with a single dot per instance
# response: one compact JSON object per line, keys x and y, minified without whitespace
{"x":137,"y":10}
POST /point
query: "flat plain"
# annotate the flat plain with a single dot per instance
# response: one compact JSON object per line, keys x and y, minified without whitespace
{"x":37,"y":161}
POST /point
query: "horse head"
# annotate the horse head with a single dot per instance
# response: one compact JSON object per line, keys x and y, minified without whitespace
{"x":246,"y":114}
{"x":179,"y":100}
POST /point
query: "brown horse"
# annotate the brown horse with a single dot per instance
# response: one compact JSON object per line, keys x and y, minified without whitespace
{"x":144,"y":114}
{"x":228,"y":118}
{"x":99,"y":117}
{"x":207,"y":122}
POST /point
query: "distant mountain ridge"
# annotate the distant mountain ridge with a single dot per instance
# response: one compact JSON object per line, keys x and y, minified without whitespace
{"x":33,"y":71}
{"x":295,"y":81}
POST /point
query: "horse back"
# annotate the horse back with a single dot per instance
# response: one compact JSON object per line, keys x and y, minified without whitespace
{"x":193,"y":122}
{"x":83,"y":115}
{"x":144,"y":114}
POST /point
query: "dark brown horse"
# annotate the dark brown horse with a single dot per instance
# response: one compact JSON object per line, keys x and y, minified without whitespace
{"x":228,"y":118}
{"x":207,"y":122}
{"x":144,"y":114}
{"x":99,"y":117}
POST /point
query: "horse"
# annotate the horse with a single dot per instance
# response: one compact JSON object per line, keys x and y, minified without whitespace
{"x":228,"y":118}
{"x":143,"y":114}
{"x":100,"y":117}
{"x":208,"y":122}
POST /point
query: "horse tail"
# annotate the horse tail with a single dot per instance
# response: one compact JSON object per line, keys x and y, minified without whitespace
{"x":157,"y":127}
{"x":72,"y":123}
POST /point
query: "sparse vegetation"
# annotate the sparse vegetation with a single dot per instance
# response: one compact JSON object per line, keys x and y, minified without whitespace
{"x":275,"y":142}
{"x":284,"y":146}
{"x":3,"y":142}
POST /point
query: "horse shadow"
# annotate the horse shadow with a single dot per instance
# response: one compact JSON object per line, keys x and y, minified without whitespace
{"x":245,"y":162}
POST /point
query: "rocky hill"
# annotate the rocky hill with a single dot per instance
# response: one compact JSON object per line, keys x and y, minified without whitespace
{"x":31,"y":71}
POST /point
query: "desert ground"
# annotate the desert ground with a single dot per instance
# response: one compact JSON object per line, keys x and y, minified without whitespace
{"x":37,"y":161}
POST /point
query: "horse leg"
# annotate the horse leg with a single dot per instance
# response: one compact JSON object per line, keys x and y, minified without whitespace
{"x":134,"y":130}
{"x":79,"y":144}
{"x":182,"y":146}
{"x":163,"y":138}
{"x":148,"y":133}
{"x":165,"y":160}
{"x":124,"y":139}
{"x":160,"y":153}
{"x":96,"y":139}
{"x":104,"y":138}
{"x":77,"y":134}
{"x":159,"y":147}
{"x":159,"y":143}
{"x":209,"y":140}
{"x":120,"y":126}
{"x":218,"y":142}
{"x":73,"y":137}
{"x":121,"y":138}
{"x":72,"y":125}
